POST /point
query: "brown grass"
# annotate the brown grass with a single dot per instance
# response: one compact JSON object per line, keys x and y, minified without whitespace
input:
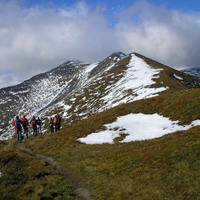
{"x":25,"y":177}
{"x":162,"y":168}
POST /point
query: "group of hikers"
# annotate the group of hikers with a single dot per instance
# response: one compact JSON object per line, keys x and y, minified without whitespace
{"x":55,"y":123}
{"x":21,"y":126}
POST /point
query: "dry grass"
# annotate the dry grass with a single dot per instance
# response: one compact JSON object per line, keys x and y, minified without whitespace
{"x":162,"y":168}
{"x":26,"y":178}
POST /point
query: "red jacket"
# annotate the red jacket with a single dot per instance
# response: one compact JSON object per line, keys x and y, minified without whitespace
{"x":24,"y":120}
{"x":14,"y":124}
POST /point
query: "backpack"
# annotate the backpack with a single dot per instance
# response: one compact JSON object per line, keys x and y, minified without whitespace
{"x":17,"y":124}
{"x":24,"y":123}
{"x":33,"y":122}
{"x":58,"y":120}
{"x":51,"y":122}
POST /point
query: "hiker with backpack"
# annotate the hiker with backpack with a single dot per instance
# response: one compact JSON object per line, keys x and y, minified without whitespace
{"x":33,"y":123}
{"x":51,"y":123}
{"x":25,"y":125}
{"x":39,"y":126}
{"x":57,"y":122}
{"x":18,"y":128}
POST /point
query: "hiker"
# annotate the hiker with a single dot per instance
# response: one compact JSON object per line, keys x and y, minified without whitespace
{"x":18,"y":128}
{"x":51,"y":125}
{"x":57,"y":122}
{"x":25,"y":125}
{"x":33,"y":123}
{"x":39,"y":126}
{"x":54,"y":121}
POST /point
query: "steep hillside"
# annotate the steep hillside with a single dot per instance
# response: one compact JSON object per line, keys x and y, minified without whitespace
{"x":76,"y":90}
{"x":32,"y":95}
{"x":118,"y":80}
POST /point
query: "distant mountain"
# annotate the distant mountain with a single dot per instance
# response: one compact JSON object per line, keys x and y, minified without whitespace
{"x":77,"y":90}
{"x":193,"y":72}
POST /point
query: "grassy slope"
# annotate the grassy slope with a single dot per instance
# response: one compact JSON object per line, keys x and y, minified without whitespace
{"x":26,"y":178}
{"x":163,"y":168}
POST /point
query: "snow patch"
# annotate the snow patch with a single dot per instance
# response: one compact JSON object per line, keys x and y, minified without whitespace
{"x":136,"y":127}
{"x":138,"y":79}
{"x":89,"y":68}
{"x":20,"y":92}
{"x":178,"y":77}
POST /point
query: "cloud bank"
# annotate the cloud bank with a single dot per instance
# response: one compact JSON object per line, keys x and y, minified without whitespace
{"x":37,"y":39}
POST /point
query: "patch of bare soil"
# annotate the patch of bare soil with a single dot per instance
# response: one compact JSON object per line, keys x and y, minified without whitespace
{"x":69,"y":176}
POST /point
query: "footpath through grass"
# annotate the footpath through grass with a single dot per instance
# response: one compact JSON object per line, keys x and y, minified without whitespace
{"x":26,"y":178}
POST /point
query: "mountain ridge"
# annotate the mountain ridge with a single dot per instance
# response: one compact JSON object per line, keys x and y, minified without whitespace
{"x":77,"y":90}
{"x":192,"y":71}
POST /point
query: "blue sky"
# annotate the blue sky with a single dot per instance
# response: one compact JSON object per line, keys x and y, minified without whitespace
{"x":181,"y":5}
{"x":36,"y":36}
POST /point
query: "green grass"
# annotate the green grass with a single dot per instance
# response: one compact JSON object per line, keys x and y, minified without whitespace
{"x":27,"y":178}
{"x":161,"y":168}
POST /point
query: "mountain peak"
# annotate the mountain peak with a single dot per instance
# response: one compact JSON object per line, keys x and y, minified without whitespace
{"x":118,"y":55}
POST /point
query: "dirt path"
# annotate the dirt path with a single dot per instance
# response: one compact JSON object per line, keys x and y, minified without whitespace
{"x":66,"y":174}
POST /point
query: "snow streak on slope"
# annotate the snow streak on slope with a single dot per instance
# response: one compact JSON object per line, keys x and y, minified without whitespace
{"x":137,"y":79}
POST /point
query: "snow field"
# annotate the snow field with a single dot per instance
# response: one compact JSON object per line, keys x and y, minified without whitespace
{"x":137,"y":127}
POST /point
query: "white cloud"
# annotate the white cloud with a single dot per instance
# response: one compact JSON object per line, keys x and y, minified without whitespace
{"x":170,"y":37}
{"x":37,"y":39}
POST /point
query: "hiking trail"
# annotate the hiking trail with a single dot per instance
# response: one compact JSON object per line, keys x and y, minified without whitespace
{"x":66,"y":174}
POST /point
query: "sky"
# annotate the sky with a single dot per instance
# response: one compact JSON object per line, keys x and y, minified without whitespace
{"x":137,"y":127}
{"x":36,"y":36}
